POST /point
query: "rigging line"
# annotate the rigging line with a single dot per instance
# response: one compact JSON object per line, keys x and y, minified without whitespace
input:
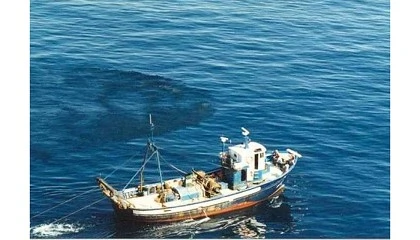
{"x":144,"y":164}
{"x":103,"y":198}
{"x":135,"y":155}
{"x":160,"y":171}
{"x":179,"y":170}
{"x":91,"y":190}
{"x":214,"y":164}
{"x":110,"y":235}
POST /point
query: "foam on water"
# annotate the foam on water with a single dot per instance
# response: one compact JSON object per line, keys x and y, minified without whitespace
{"x":250,"y":228}
{"x":275,"y":202}
{"x":55,"y":229}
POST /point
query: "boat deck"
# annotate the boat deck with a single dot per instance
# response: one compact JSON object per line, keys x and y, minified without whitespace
{"x":145,"y":202}
{"x":149,"y":201}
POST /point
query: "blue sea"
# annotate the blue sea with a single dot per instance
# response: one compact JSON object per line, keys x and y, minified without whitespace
{"x":313,"y":76}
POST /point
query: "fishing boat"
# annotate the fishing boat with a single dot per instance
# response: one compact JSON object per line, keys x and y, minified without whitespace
{"x":248,"y":174}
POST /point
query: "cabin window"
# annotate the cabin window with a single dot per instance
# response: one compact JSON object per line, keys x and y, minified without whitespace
{"x":261,"y":155}
{"x":256,"y":161}
{"x":243,"y":175}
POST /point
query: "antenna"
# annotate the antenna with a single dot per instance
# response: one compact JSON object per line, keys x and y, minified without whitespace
{"x":152,"y":126}
{"x":223,"y":140}
{"x":245,"y":133}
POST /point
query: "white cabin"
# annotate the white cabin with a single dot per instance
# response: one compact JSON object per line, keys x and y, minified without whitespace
{"x":252,"y":157}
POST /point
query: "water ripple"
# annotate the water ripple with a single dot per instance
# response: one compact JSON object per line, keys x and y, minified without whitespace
{"x":308,"y":75}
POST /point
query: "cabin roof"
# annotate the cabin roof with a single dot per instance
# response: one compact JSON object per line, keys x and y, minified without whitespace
{"x":253,"y":148}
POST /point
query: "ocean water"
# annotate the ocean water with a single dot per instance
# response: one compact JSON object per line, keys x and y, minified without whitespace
{"x":313,"y":76}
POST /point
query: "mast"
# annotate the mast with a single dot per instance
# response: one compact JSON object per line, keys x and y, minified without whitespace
{"x":154,"y":148}
{"x":150,"y":150}
{"x":245,"y":132}
{"x":223,"y":140}
{"x":152,"y":127}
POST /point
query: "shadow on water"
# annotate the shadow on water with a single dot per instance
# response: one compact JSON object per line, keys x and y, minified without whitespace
{"x":90,"y":106}
{"x":249,"y":223}
{"x":127,"y":98}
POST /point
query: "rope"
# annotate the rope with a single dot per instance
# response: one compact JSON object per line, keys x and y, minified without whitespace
{"x":119,"y":167}
{"x":110,"y":235}
{"x":91,"y":190}
{"x":94,"y":188}
{"x":179,"y":170}
{"x":160,"y":171}
{"x":214,"y":164}
{"x":103,"y":198}
{"x":144,"y":164}
{"x":159,"y":156}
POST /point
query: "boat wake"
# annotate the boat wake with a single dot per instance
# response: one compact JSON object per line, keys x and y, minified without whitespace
{"x":195,"y":222}
{"x":185,"y":228}
{"x":275,"y":202}
{"x":250,"y":228}
{"x":242,"y":226}
{"x":54,"y":229}
{"x":236,"y":225}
